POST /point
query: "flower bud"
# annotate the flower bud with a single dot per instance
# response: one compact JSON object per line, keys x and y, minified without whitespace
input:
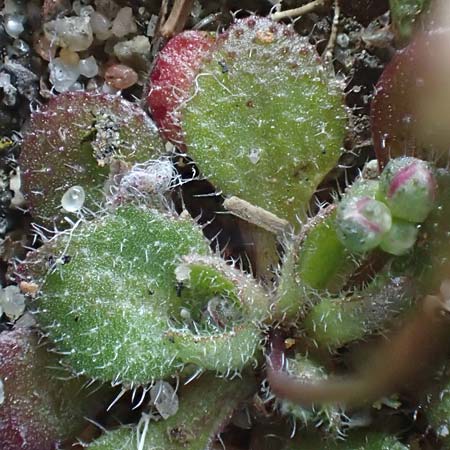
{"x":362,"y":222}
{"x":400,"y":238}
{"x":409,"y":188}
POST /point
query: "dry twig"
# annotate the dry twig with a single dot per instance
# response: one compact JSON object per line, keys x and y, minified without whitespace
{"x":255,"y":215}
{"x":300,"y":11}
{"x":177,"y":19}
{"x":329,"y":50}
{"x":407,"y":357}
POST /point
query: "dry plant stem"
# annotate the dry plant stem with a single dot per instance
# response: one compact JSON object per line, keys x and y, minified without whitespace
{"x":157,"y":43}
{"x":177,"y":19}
{"x":296,"y":12}
{"x":256,"y":215}
{"x":329,"y":50}
{"x":408,"y":357}
{"x":161,"y":18}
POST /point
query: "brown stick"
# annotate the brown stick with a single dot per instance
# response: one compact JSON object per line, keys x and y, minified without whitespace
{"x":255,"y":215}
{"x":300,"y":11}
{"x":329,"y":50}
{"x":177,"y":19}
{"x":412,"y":353}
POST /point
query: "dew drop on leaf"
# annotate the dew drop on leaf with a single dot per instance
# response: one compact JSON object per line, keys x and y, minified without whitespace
{"x":73,"y":199}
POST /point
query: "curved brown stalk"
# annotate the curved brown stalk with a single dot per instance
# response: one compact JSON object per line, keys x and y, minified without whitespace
{"x":405,"y":358}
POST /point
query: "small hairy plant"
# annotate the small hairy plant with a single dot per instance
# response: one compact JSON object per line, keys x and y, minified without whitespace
{"x":247,"y":91}
{"x":123,"y":278}
{"x":35,"y":393}
{"x":72,"y":141}
{"x":247,"y":271}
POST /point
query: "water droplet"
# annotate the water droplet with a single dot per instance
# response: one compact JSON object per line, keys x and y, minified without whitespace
{"x":73,"y":199}
{"x":164,"y":398}
{"x":185,"y":314}
{"x":14,"y":26}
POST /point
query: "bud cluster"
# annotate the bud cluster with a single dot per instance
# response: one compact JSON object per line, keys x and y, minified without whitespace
{"x":388,"y":217}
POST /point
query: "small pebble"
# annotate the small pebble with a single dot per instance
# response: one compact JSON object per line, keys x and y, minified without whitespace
{"x":43,"y":47}
{"x":120,"y":76}
{"x":108,"y":8}
{"x":25,"y":321}
{"x":134,"y":53}
{"x":28,"y":288}
{"x":2,"y":392}
{"x":12,"y":302}
{"x":86,"y":11}
{"x":73,"y":199}
{"x":164,"y":398}
{"x":92,"y":85}
{"x":11,"y":7}
{"x":124,"y":23}
{"x":9,"y":91}
{"x":74,"y":33}
{"x":88,"y":67}
{"x":53,"y":8}
{"x":151,"y":27}
{"x":101,"y":26}
{"x":18,"y":49}
{"x":69,"y":57}
{"x":76,"y":7}
{"x":63,"y":75}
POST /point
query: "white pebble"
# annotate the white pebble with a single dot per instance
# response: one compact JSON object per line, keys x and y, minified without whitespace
{"x":73,"y":199}
{"x":88,"y":67}
{"x":76,"y":7}
{"x":164,"y":398}
{"x":124,"y":23}
{"x":151,"y":27}
{"x":108,"y":8}
{"x":2,"y":392}
{"x":74,"y":33}
{"x":101,"y":26}
{"x":63,"y":75}
{"x":12,"y":302}
{"x":86,"y":11}
{"x":9,"y":91}
{"x":76,"y":87}
{"x":27,"y":320}
{"x":11,"y":7}
{"x":135,"y":50}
